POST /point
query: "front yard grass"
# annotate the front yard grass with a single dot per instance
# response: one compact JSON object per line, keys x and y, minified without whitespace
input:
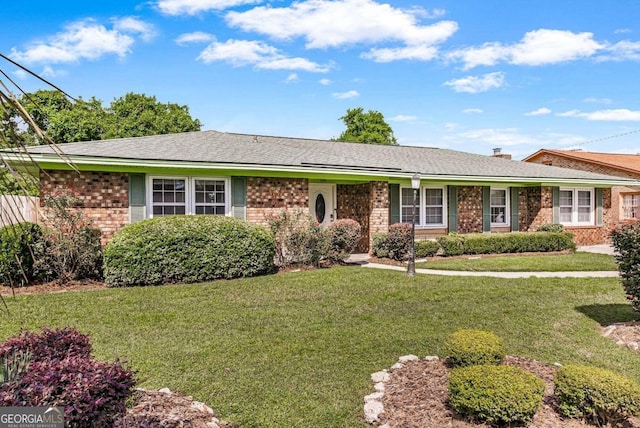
{"x":298,"y":349}
{"x":579,"y":261}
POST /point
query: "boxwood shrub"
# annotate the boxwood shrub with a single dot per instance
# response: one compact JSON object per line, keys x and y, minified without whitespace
{"x":19,"y":246}
{"x":187,"y":249}
{"x":597,"y":395}
{"x":498,"y":243}
{"x":426,"y":248}
{"x":474,"y":347}
{"x":501,"y":395}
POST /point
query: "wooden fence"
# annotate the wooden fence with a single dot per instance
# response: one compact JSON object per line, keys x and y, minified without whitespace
{"x":15,"y":209}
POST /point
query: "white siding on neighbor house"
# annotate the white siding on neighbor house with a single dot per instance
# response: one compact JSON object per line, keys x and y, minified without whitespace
{"x":16,"y":209}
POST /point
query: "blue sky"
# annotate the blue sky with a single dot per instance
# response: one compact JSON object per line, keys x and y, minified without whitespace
{"x":462,"y":74}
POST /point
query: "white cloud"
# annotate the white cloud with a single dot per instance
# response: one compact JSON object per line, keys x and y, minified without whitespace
{"x":292,"y":78}
{"x":621,"y":51}
{"x":323,"y":24}
{"x":622,"y":31}
{"x":539,"y":112}
{"x":261,"y":55}
{"x":346,"y":95}
{"x":513,"y":137}
{"x":416,"y":53}
{"x":85,"y":40}
{"x":538,"y":47}
{"x":598,"y":100}
{"x":20,"y":74}
{"x":475,"y":84}
{"x":193,"y":7}
{"x":324,"y":82}
{"x":473,"y":111}
{"x":195,"y":37}
{"x":613,"y":115}
{"x":403,"y":118}
{"x":130,"y":24}
{"x":49,"y":72}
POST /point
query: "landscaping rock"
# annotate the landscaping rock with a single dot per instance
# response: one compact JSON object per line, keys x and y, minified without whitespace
{"x":407,"y":358}
{"x":375,"y":396}
{"x":382,"y":376}
{"x":372,"y":411}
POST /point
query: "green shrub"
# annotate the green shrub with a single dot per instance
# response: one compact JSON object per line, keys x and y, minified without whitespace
{"x":626,"y":240}
{"x":598,"y":395}
{"x":19,"y":246}
{"x":499,"y":243}
{"x":344,"y":235}
{"x":474,"y":347}
{"x":495,"y":394}
{"x":452,"y":244}
{"x":299,"y":239}
{"x":380,"y":248}
{"x":427,"y":248}
{"x":187,"y":249}
{"x":550,"y":227}
{"x":399,"y":241}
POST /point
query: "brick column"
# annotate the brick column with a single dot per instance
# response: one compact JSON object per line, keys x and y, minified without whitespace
{"x":379,"y":203}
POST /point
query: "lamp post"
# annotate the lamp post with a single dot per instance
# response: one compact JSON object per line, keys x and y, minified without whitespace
{"x":411,"y":267}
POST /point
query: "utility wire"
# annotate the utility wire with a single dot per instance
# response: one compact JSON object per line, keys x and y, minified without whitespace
{"x":20,"y":66}
{"x":597,"y":140}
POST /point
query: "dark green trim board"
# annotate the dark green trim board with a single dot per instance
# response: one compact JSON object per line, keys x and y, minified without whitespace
{"x":599,"y":208}
{"x":394,"y":203}
{"x":556,"y":204}
{"x":515,"y":209}
{"x":137,"y":197}
{"x":486,"y":209}
{"x":453,"y":208}
{"x":239,"y":197}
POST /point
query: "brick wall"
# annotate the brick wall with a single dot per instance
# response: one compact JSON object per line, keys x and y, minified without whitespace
{"x":103,"y":196}
{"x":535,"y":207}
{"x":354,"y":202}
{"x":469,"y":209}
{"x":379,"y":217}
{"x":268,"y":196}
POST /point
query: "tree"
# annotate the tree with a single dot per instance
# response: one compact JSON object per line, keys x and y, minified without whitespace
{"x":133,"y":115}
{"x":137,"y":115}
{"x":368,"y":128}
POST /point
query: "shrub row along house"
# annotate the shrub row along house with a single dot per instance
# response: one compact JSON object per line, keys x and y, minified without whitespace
{"x":253,"y":177}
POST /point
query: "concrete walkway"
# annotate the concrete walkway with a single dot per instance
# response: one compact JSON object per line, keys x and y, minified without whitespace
{"x":363,"y":260}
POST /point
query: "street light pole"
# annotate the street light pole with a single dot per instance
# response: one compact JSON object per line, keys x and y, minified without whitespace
{"x":411,"y":267}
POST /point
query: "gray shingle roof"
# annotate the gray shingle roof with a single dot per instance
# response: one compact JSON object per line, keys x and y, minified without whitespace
{"x":229,"y":148}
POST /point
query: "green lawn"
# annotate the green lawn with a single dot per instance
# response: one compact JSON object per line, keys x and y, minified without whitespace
{"x":580,"y":261}
{"x":297,"y":349}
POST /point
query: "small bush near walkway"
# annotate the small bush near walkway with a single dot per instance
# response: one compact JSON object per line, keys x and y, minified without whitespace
{"x":187,"y":249}
{"x":626,"y":240}
{"x":344,"y":235}
{"x":18,"y":253}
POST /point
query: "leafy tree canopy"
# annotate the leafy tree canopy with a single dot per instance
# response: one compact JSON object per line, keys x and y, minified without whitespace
{"x":133,"y":115}
{"x":368,"y":128}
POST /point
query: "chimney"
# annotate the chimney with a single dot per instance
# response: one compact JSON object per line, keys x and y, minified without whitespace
{"x":497,"y":153}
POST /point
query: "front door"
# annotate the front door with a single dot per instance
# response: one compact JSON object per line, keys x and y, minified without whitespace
{"x":322,"y":202}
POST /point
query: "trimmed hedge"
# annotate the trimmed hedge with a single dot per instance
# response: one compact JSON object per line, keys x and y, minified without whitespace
{"x":474,"y":347}
{"x":19,"y":246}
{"x":183,"y":249}
{"x":598,"y":395}
{"x":497,"y":243}
{"x":495,"y":394}
{"x":426,"y":248}
{"x":344,"y":235}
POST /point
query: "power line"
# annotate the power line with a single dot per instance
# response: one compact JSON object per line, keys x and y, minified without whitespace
{"x":597,"y":140}
{"x":20,"y":66}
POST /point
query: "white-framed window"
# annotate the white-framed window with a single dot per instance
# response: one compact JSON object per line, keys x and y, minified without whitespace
{"x":431,"y":206}
{"x":576,"y":206}
{"x":631,"y":205}
{"x":169,"y":195}
{"x":499,"y":206}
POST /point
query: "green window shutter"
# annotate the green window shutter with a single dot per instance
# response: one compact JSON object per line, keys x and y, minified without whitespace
{"x":137,"y":198}
{"x":394,"y":203}
{"x":239,"y":197}
{"x":556,"y":205}
{"x":515,"y":207}
{"x":486,"y":209}
{"x":452,"y":209}
{"x":599,"y":209}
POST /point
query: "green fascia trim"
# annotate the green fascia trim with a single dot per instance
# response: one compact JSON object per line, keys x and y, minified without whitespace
{"x":313,"y":173}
